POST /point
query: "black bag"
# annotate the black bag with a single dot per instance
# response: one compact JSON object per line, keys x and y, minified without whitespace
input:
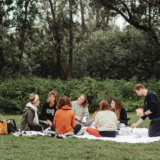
{"x":11,"y":125}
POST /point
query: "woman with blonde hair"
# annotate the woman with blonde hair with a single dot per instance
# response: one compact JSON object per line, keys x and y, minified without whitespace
{"x":105,"y":122}
{"x":120,"y":112}
{"x":49,"y":108}
{"x":64,"y":119}
{"x":80,"y":107}
{"x":30,"y":119}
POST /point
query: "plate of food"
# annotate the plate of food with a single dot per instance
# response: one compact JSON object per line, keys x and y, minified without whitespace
{"x":139,"y":111}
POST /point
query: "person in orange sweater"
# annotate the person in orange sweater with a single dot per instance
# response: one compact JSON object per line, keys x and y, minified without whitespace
{"x":64,"y":119}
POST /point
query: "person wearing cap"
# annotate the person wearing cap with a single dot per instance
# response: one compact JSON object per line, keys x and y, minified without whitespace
{"x":30,"y":119}
{"x":151,"y":110}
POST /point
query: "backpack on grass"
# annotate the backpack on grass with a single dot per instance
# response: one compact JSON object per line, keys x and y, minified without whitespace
{"x":11,"y":125}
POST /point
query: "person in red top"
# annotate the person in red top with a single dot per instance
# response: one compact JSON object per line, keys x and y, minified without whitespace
{"x":64,"y":119}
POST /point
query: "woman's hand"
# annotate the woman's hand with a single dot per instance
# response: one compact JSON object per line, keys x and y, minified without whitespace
{"x":118,"y":122}
{"x":134,"y":125}
{"x":82,"y":121}
{"x":46,"y":122}
{"x":49,"y":122}
{"x":95,"y":125}
{"x":78,"y":119}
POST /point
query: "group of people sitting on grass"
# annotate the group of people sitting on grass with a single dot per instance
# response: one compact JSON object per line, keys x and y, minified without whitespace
{"x":64,"y":116}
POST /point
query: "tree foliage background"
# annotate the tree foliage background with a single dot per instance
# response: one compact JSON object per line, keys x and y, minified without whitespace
{"x":52,"y":40}
{"x":73,"y":39}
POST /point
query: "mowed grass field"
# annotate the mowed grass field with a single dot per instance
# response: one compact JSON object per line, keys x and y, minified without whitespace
{"x":47,"y":148}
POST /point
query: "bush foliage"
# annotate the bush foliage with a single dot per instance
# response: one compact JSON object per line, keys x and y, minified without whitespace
{"x":14,"y":94}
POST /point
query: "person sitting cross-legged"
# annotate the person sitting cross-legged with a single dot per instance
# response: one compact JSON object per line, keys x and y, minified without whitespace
{"x":64,"y":119}
{"x":105,"y":122}
{"x":30,"y":119}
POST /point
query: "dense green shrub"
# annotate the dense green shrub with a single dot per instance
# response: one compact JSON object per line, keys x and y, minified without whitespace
{"x":14,"y":94}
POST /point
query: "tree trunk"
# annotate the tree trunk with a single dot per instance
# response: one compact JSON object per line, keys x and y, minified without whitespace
{"x":97,"y":18}
{"x":58,"y":44}
{"x":71,"y":42}
{"x":22,"y":42}
{"x":2,"y":60}
{"x":82,"y":17}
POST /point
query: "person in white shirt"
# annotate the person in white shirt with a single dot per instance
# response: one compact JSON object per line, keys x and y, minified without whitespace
{"x":80,"y":107}
{"x":105,"y":122}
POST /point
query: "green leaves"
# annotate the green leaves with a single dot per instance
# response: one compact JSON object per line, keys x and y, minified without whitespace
{"x":14,"y":94}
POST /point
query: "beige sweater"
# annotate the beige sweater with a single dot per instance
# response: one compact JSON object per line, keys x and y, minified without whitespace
{"x":106,"y":120}
{"x":79,"y":110}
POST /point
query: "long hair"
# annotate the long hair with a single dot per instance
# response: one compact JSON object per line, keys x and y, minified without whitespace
{"x":104,"y":105}
{"x":85,"y":103}
{"x":63,"y":101}
{"x":54,"y":93}
{"x":117,"y":107}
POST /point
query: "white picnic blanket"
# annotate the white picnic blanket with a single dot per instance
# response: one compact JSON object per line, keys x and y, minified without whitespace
{"x":138,"y":135}
{"x":46,"y":132}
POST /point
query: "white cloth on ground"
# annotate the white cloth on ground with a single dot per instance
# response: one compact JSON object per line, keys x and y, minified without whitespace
{"x":133,"y":137}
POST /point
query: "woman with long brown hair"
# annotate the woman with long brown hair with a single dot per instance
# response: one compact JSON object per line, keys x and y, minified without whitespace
{"x":49,"y":108}
{"x":105,"y":122}
{"x":80,"y":107}
{"x":120,"y":112}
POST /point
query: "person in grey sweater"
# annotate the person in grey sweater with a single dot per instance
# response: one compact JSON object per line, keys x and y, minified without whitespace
{"x":30,"y":119}
{"x":80,"y":107}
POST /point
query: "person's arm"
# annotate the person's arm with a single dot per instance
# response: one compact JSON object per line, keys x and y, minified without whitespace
{"x":55,"y":119}
{"x":153,"y":102}
{"x":146,"y":113}
{"x":73,"y":123}
{"x":77,"y":118}
{"x":138,"y":122}
{"x":43,"y":112}
{"x":85,"y":112}
{"x":30,"y":117}
{"x":96,"y":120}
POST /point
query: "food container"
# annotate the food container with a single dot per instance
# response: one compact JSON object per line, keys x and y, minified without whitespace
{"x":139,"y":111}
{"x":83,"y":129}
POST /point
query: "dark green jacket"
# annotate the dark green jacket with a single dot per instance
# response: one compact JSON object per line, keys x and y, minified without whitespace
{"x":27,"y":119}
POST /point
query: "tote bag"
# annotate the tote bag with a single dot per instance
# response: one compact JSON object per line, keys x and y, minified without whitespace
{"x":3,"y":126}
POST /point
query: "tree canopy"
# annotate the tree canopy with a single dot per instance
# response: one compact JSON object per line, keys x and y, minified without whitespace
{"x":73,"y":39}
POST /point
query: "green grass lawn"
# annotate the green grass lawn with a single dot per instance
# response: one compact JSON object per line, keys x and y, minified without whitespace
{"x":46,"y":148}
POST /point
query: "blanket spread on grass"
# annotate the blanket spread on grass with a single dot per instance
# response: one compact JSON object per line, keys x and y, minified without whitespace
{"x":131,"y":138}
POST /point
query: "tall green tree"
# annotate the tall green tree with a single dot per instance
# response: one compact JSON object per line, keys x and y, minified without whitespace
{"x":5,"y":9}
{"x":142,"y":14}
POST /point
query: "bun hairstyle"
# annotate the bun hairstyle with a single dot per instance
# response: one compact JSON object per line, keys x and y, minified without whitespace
{"x":54,"y":93}
{"x":33,"y":97}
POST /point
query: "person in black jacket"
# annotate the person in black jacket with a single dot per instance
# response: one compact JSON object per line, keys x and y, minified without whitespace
{"x":120,"y":112}
{"x":49,"y":108}
{"x":151,"y":110}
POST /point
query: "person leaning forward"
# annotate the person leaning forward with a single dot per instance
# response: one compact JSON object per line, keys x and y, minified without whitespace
{"x":151,"y":110}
